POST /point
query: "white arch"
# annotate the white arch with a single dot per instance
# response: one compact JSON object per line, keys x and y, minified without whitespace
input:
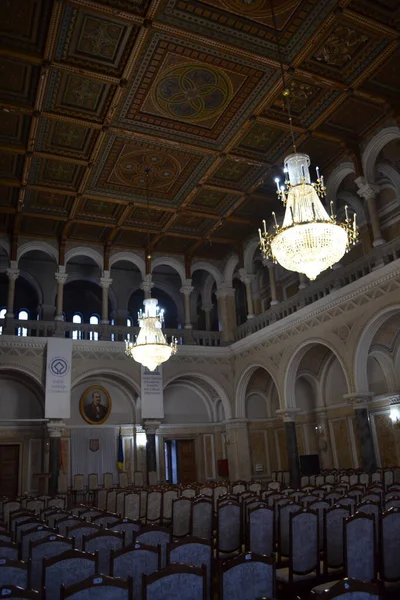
{"x":206,"y":294}
{"x":5,"y":244}
{"x":182,"y":383}
{"x":202,"y":265}
{"x":364,"y":344}
{"x":293,"y":367}
{"x":77,"y":277}
{"x":26,"y":376}
{"x":34,"y":283}
{"x":261,"y":394}
{"x":248,"y":255}
{"x":130,"y":257}
{"x":374,"y":146}
{"x":391,"y":173}
{"x":85,"y":251}
{"x":240,"y":400}
{"x":385,"y":361}
{"x":170,"y":262}
{"x":223,"y":396}
{"x":354,"y":201}
{"x":230,"y":267}
{"x":37,"y":245}
{"x":336,"y":177}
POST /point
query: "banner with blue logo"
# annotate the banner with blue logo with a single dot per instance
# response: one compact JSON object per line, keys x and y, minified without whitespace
{"x":58,"y":379}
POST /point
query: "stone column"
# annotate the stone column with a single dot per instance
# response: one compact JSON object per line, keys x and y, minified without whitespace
{"x":13,"y":275}
{"x":359,"y":402}
{"x":248,"y":280}
{"x":289,"y":420}
{"x":61,"y":277}
{"x":272,"y":282}
{"x":120,"y":317}
{"x":46,"y":312}
{"x":369,"y":192}
{"x":186,"y":290}
{"x":324,"y":439}
{"x":147,"y":286}
{"x":226,"y":300}
{"x":105,"y":283}
{"x":54,"y":427}
{"x":302,"y":281}
{"x":238,"y":449}
{"x":207,"y":310}
{"x":150,"y":426}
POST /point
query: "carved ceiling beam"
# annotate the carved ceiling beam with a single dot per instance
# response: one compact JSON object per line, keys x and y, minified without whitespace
{"x":369,"y":23}
{"x":156,"y":136}
{"x":85,"y":73}
{"x":72,"y":120}
{"x":373,"y":66}
{"x":32,"y":59}
{"x":108,"y":11}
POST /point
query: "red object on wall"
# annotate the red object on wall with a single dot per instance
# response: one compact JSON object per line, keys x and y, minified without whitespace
{"x":223,"y":467}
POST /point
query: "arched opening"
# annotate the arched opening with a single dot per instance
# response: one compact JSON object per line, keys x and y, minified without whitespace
{"x":135,"y":304}
{"x":167,"y":283}
{"x":126,"y":279}
{"x":240,"y":300}
{"x":205,"y":310}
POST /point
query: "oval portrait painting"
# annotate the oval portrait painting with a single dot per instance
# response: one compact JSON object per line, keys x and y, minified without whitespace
{"x":95,"y":405}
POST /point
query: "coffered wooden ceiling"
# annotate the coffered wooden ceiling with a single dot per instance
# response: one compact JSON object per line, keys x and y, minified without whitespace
{"x":95,"y":91}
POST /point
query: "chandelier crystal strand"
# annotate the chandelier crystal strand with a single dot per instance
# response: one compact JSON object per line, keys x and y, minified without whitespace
{"x":309,"y":240}
{"x":151,"y":348}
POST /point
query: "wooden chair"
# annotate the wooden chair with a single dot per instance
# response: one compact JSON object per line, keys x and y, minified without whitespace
{"x":333,"y":549}
{"x":193,"y":551}
{"x":123,"y":479}
{"x":350,"y":589}
{"x":135,"y":561}
{"x":17,"y":593}
{"x":111,"y":502}
{"x":359,"y":547}
{"x":155,"y":535}
{"x":99,"y":586}
{"x":108,"y":481}
{"x":246,"y":577}
{"x":33,"y":534}
{"x":132,"y":506}
{"x":126,"y":526}
{"x":103,"y":542}
{"x":229,"y":529}
{"x":66,"y":569}
{"x":389,"y":569}
{"x":154,"y":506}
{"x":260,"y":530}
{"x":46,"y":547}
{"x":78,"y":531}
{"x":176,"y":581}
{"x":181,"y":516}
{"x":9,"y":550}
{"x":15,"y":572}
{"x":168,"y":498}
{"x":202,"y":518}
{"x":284,"y":512}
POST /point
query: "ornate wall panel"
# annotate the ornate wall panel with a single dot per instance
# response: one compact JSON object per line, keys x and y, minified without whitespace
{"x":342,"y":444}
{"x":258,"y":452}
{"x":386,"y":440}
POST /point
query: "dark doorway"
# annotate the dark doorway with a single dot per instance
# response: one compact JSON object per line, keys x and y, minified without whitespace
{"x":9,"y":469}
{"x":180,"y":461}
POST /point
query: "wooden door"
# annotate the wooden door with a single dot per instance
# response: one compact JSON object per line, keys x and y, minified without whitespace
{"x":187,"y":472}
{"x":9,"y":469}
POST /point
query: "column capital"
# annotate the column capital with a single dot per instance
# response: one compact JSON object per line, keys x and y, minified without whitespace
{"x":54,"y":427}
{"x":236,"y":424}
{"x":151,"y":425}
{"x":224,"y":290}
{"x":359,"y":400}
{"x":366,"y":190}
{"x":207,"y":307}
{"x":321,"y":413}
{"x":186,"y":289}
{"x":60,"y":277}
{"x":12,"y":274}
{"x":105,"y":282}
{"x":246,"y":277}
{"x":147,"y":284}
{"x":288,"y":414}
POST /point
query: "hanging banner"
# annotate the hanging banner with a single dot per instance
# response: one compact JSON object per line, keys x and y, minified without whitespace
{"x":152,"y":393}
{"x":58,"y":379}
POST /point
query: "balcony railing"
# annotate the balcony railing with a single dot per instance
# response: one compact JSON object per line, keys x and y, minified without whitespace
{"x":114,"y":333}
{"x":333,"y":279}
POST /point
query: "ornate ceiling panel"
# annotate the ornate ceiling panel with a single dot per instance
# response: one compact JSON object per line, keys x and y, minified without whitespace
{"x":93,"y":93}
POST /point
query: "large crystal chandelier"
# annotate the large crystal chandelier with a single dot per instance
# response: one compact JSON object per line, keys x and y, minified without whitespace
{"x":150,"y":347}
{"x":309,"y":240}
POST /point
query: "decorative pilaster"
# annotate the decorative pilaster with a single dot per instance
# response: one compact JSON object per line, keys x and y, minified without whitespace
{"x":289,"y":420}
{"x":54,"y":426}
{"x":186,"y":290}
{"x":61,"y":278}
{"x":248,"y":280}
{"x":207,"y":311}
{"x":324,"y":439}
{"x":238,"y":449}
{"x":105,"y":283}
{"x":150,"y":426}
{"x":12,"y":275}
{"x":272,"y":281}
{"x":369,"y":192}
{"x":147,"y":286}
{"x":227,"y":312}
{"x":360,"y":402}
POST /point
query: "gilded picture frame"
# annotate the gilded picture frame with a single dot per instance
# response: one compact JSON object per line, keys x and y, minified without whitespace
{"x":95,"y":405}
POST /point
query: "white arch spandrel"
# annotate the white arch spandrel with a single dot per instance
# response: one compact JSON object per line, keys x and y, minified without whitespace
{"x":248,"y":255}
{"x":374,"y":146}
{"x":37,"y":245}
{"x":85,"y":251}
{"x":241,"y":388}
{"x":230,"y":267}
{"x":202,"y":265}
{"x":130,"y":257}
{"x":336,"y":177}
{"x":170,"y":262}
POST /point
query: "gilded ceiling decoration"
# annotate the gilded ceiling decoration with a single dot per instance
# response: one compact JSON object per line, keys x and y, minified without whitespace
{"x":93,"y":93}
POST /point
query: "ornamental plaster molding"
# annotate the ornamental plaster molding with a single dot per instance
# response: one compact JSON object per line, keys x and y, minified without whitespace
{"x":288,"y":415}
{"x":359,"y":400}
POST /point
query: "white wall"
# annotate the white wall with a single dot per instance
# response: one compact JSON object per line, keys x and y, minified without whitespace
{"x":122,"y":403}
{"x":376,"y":378}
{"x":182,"y":404}
{"x":304,"y":394}
{"x":17,"y":401}
{"x":256,"y":406}
{"x":336,"y":385}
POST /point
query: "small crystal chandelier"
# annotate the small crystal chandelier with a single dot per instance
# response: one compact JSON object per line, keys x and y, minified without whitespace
{"x":150,"y":347}
{"x":309,"y":240}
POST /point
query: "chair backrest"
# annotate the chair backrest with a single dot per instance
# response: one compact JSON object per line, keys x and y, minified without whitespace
{"x":195,"y":552}
{"x":15,"y":592}
{"x":120,"y":502}
{"x":30,"y":535}
{"x":36,"y":505}
{"x":56,"y":516}
{"x":111,"y":503}
{"x":202,"y":518}
{"x":189,"y":492}
{"x":15,"y":572}
{"x":260,"y":534}
{"x":78,"y":531}
{"x":303,"y":543}
{"x":135,"y":561}
{"x":132,"y":506}
{"x":349,"y":589}
{"x":167,"y":499}
{"x":128,"y":527}
{"x":57,"y":502}
{"x":79,"y":482}
{"x":93,"y":481}
{"x":103,"y":542}
{"x":138,"y":478}
{"x":390,"y":545}
{"x":68,"y":521}
{"x":8,"y":550}
{"x":254,"y":486}
{"x":155,"y":535}
{"x":229,"y":527}
{"x":154,"y":504}
{"x":8,"y":507}
{"x":181,"y":516}
{"x":123,"y":479}
{"x":108,"y":481}
{"x":320,"y":506}
{"x":102,"y":499}
{"x":334,"y":519}
{"x":274,"y":485}
{"x":238,"y":486}
{"x":359,"y":547}
{"x":246,"y":577}
{"x":100,"y":587}
{"x":175,"y":581}
{"x":347,"y":501}
{"x":206,"y":490}
{"x":284,"y":511}
{"x":66,"y":569}
{"x":46,"y":547}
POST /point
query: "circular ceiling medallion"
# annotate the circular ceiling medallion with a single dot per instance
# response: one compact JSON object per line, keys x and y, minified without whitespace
{"x":131,"y":169}
{"x":192,"y":92}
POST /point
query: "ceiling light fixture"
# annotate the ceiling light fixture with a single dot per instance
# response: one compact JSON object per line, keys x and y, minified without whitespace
{"x":309,"y":240}
{"x":150,"y":347}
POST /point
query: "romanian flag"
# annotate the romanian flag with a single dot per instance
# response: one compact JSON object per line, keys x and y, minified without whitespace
{"x":120,"y":458}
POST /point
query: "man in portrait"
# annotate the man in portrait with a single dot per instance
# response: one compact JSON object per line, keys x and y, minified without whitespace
{"x":95,"y":411}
